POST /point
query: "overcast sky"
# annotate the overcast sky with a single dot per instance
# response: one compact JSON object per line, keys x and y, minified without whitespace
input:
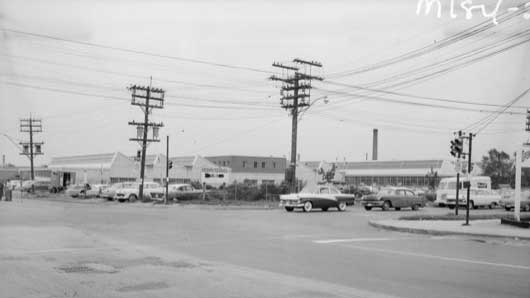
{"x":80,"y":91}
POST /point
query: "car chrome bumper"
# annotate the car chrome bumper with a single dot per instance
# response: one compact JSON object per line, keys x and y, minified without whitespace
{"x":294,"y":204}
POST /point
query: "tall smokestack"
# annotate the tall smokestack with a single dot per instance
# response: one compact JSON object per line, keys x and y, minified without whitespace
{"x":374,"y":145}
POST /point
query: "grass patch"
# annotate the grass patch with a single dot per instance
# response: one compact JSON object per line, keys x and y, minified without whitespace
{"x":452,"y":216}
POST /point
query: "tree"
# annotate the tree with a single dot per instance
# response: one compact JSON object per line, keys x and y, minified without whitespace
{"x":499,"y":166}
{"x":328,"y":175}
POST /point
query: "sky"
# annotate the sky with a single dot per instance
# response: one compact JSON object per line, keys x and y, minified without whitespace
{"x":80,"y":91}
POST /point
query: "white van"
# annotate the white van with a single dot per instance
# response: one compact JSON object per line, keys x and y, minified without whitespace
{"x":447,"y":187}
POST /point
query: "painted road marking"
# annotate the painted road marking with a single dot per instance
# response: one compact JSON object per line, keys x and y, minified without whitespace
{"x":356,"y":240}
{"x":428,"y":256}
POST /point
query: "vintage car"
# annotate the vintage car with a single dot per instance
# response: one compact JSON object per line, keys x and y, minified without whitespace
{"x":110,"y":191}
{"x":393,"y":197}
{"x":84,"y":190}
{"x":477,"y":198}
{"x":178,"y":192}
{"x":318,"y":196}
{"x":508,"y":201}
{"x":131,"y":193}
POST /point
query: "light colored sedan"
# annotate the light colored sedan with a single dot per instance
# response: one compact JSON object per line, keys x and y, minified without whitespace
{"x":317,"y":196}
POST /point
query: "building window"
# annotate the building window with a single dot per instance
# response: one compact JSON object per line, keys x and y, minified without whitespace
{"x":255,"y":164}
{"x":244,"y":164}
{"x":263,"y":164}
{"x":274,"y":165}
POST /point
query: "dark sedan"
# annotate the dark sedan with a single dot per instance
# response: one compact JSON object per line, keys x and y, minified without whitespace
{"x":394,"y":197}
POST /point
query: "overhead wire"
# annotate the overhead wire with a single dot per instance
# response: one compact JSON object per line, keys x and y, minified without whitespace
{"x":134,"y":51}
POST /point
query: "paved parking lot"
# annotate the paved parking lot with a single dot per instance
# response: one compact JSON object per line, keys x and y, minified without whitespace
{"x":104,"y":249}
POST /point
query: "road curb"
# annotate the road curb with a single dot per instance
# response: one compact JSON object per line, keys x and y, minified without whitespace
{"x":376,"y":224}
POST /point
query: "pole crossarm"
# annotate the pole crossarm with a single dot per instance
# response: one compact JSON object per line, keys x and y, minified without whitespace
{"x":312,"y":63}
{"x":150,"y":124}
{"x":141,"y":140}
{"x":279,"y":65}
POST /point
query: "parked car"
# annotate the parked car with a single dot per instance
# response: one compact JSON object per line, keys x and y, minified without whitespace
{"x":14,"y":184}
{"x":36,"y":185}
{"x":131,"y":192}
{"x":110,"y":191}
{"x":393,"y":197}
{"x":477,"y":198}
{"x":78,"y":190}
{"x":508,"y":202}
{"x":177,"y":192}
{"x":318,"y":196}
{"x":96,"y":190}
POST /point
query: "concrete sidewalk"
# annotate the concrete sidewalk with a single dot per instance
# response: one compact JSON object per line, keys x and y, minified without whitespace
{"x":482,"y":228}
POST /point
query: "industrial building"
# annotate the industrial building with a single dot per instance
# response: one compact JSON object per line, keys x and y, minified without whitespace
{"x":197,"y":168}
{"x":252,"y":169}
{"x":396,"y":172}
{"x":93,"y":168}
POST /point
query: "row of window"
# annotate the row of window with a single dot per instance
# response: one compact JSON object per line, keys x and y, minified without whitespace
{"x":390,"y":180}
{"x":245,"y":164}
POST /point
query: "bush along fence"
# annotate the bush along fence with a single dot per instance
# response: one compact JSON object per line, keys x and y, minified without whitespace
{"x":246,"y":192}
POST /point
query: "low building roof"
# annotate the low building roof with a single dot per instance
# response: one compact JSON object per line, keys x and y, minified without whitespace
{"x":94,"y":161}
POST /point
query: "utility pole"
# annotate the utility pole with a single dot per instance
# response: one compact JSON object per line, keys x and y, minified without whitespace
{"x":31,"y":148}
{"x":295,"y":92}
{"x":167,"y":170}
{"x":519,"y":159}
{"x":147,"y":98}
{"x":469,"y":168}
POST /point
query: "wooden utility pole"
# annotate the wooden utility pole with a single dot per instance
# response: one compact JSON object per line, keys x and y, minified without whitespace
{"x":147,"y":98}
{"x":295,"y":91}
{"x":167,"y":170}
{"x":31,"y":148}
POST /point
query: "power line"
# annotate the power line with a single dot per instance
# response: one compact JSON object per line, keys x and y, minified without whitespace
{"x":498,"y":113}
{"x":123,"y":74}
{"x":58,"y":90}
{"x":455,"y":58}
{"x":419,"y":96}
{"x":469,"y":32}
{"x":139,"y":52}
{"x":420,"y":104}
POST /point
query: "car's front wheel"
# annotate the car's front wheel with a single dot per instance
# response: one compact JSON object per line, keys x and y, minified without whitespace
{"x":367,"y":208}
{"x":386,"y":206}
{"x":289,"y":209}
{"x":342,"y":206}
{"x":308,"y":206}
{"x":132,"y":198}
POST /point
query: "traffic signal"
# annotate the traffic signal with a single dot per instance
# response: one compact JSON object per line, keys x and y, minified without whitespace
{"x":457,"y":147}
{"x":138,"y":154}
{"x":170,"y":165}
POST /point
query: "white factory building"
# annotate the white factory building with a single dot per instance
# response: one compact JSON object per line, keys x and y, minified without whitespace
{"x":93,"y":168}
{"x":117,"y":167}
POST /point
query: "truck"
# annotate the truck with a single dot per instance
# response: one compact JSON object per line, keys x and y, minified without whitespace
{"x":447,"y":187}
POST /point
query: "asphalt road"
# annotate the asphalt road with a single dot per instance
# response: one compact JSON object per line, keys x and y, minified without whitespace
{"x":255,"y":253}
